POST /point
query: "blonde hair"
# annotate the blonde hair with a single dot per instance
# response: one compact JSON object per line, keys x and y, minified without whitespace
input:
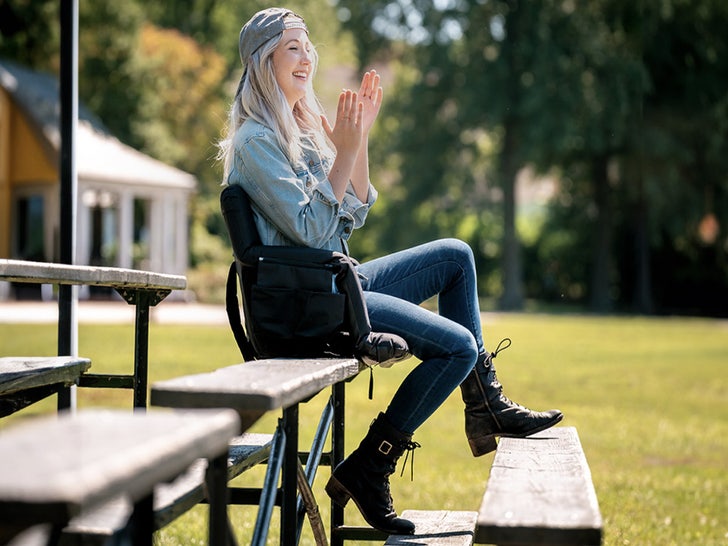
{"x":260,"y":98}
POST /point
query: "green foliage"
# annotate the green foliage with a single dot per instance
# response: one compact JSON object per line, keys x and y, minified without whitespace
{"x":625,"y":101}
{"x":648,"y":396}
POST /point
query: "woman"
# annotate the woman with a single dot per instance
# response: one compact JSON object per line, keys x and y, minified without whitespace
{"x":309,"y":185}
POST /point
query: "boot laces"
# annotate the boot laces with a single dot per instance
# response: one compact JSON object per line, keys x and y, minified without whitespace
{"x":498,"y":349}
{"x":502,"y":346}
{"x":410,"y":447}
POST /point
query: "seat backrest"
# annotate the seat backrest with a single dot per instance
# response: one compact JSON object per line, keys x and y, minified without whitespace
{"x":239,"y":219}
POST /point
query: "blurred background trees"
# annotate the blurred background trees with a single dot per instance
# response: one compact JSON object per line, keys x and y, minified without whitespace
{"x":616,"y":111}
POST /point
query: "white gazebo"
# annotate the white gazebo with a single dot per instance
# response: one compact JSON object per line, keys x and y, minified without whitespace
{"x":132,"y":210}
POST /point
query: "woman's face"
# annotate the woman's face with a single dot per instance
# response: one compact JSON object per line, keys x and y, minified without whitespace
{"x":293,"y":64}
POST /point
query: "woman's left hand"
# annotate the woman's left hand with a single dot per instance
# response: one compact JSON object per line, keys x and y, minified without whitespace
{"x":370,"y":97}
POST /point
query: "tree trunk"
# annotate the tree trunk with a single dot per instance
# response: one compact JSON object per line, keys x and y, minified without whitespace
{"x":512,"y":297}
{"x":512,"y":269}
{"x":600,"y":299}
{"x":643,"y":283}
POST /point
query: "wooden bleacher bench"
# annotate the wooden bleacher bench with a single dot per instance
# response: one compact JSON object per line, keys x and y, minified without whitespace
{"x":255,"y":388}
{"x":171,"y":500}
{"x":56,"y":467}
{"x":26,"y":380}
{"x":143,"y":289}
{"x":252,"y":389}
{"x":540,"y":491}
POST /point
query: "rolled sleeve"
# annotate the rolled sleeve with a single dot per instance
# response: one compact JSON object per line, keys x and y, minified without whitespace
{"x":353,"y":211}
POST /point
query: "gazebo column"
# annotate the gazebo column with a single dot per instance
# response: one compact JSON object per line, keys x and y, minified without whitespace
{"x":126,"y":230}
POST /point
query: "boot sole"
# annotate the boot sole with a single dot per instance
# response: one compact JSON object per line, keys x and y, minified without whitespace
{"x":340,"y":495}
{"x":486,"y":444}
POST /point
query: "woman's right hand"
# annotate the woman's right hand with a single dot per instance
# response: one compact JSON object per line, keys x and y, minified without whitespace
{"x":347,"y":132}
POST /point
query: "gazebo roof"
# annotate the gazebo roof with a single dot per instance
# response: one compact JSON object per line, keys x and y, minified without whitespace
{"x":100,"y":156}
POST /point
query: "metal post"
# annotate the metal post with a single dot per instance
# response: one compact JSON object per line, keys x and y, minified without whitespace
{"x":337,"y":455}
{"x":141,"y":349}
{"x":67,"y":296}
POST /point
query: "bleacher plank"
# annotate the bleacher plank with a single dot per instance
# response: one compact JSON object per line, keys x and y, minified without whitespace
{"x":540,"y":491}
{"x":437,"y":528}
{"x":256,"y":387}
{"x":18,"y":373}
{"x":55,"y":273}
{"x":53,"y":468}
{"x":171,"y":500}
{"x":25,"y":380}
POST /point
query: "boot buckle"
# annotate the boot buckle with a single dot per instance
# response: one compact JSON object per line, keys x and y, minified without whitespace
{"x":385,"y":447}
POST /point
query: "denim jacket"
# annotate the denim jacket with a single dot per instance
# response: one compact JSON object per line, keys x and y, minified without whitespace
{"x":293,"y":205}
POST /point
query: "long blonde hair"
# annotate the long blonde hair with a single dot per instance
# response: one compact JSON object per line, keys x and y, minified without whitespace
{"x":259,"y":97}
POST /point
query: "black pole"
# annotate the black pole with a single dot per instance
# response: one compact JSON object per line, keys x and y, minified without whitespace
{"x":67,"y":326}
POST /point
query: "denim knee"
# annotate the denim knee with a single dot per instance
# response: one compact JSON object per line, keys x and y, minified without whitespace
{"x":459,"y":249}
{"x":464,"y":356}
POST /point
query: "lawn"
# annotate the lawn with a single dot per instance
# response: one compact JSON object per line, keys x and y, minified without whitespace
{"x":648,"y":396}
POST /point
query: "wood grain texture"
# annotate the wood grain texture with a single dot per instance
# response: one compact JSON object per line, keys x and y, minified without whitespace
{"x":25,"y":372}
{"x":540,"y":491}
{"x":258,"y":386}
{"x":171,"y":500}
{"x":54,"y":273}
{"x":438,"y":527}
{"x":54,"y":467}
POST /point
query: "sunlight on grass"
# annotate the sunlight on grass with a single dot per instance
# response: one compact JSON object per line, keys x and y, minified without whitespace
{"x":648,"y":396}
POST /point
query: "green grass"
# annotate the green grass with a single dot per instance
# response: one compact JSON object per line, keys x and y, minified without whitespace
{"x":649,"y":397}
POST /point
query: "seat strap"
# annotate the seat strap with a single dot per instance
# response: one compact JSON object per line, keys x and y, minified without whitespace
{"x":232,"y":307}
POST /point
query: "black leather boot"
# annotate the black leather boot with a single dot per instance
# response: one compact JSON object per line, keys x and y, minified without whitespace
{"x":364,"y":477}
{"x":489,"y":413}
{"x":381,"y":348}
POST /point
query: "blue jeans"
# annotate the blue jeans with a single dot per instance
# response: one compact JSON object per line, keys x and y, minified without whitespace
{"x":448,"y":343}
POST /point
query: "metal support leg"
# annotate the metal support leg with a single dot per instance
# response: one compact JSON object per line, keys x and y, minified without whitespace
{"x":143,"y":300}
{"x":141,"y":350}
{"x":142,"y":522}
{"x":306,"y":504}
{"x":217,"y":497}
{"x":289,"y":480}
{"x":270,"y":487}
{"x":337,"y":455}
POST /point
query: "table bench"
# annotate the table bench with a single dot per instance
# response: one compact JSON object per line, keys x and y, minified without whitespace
{"x":26,"y":380}
{"x":55,"y":467}
{"x":143,"y":289}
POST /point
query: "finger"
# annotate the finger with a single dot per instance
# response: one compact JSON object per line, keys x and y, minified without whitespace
{"x":375,"y":83}
{"x":378,"y":97}
{"x":359,"y":112}
{"x":365,"y":84}
{"x":341,"y":107}
{"x":355,"y":104}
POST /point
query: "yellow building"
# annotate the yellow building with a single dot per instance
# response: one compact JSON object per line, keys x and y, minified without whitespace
{"x":131,"y":208}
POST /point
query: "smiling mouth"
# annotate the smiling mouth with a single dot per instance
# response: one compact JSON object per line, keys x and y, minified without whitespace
{"x":300,"y":75}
